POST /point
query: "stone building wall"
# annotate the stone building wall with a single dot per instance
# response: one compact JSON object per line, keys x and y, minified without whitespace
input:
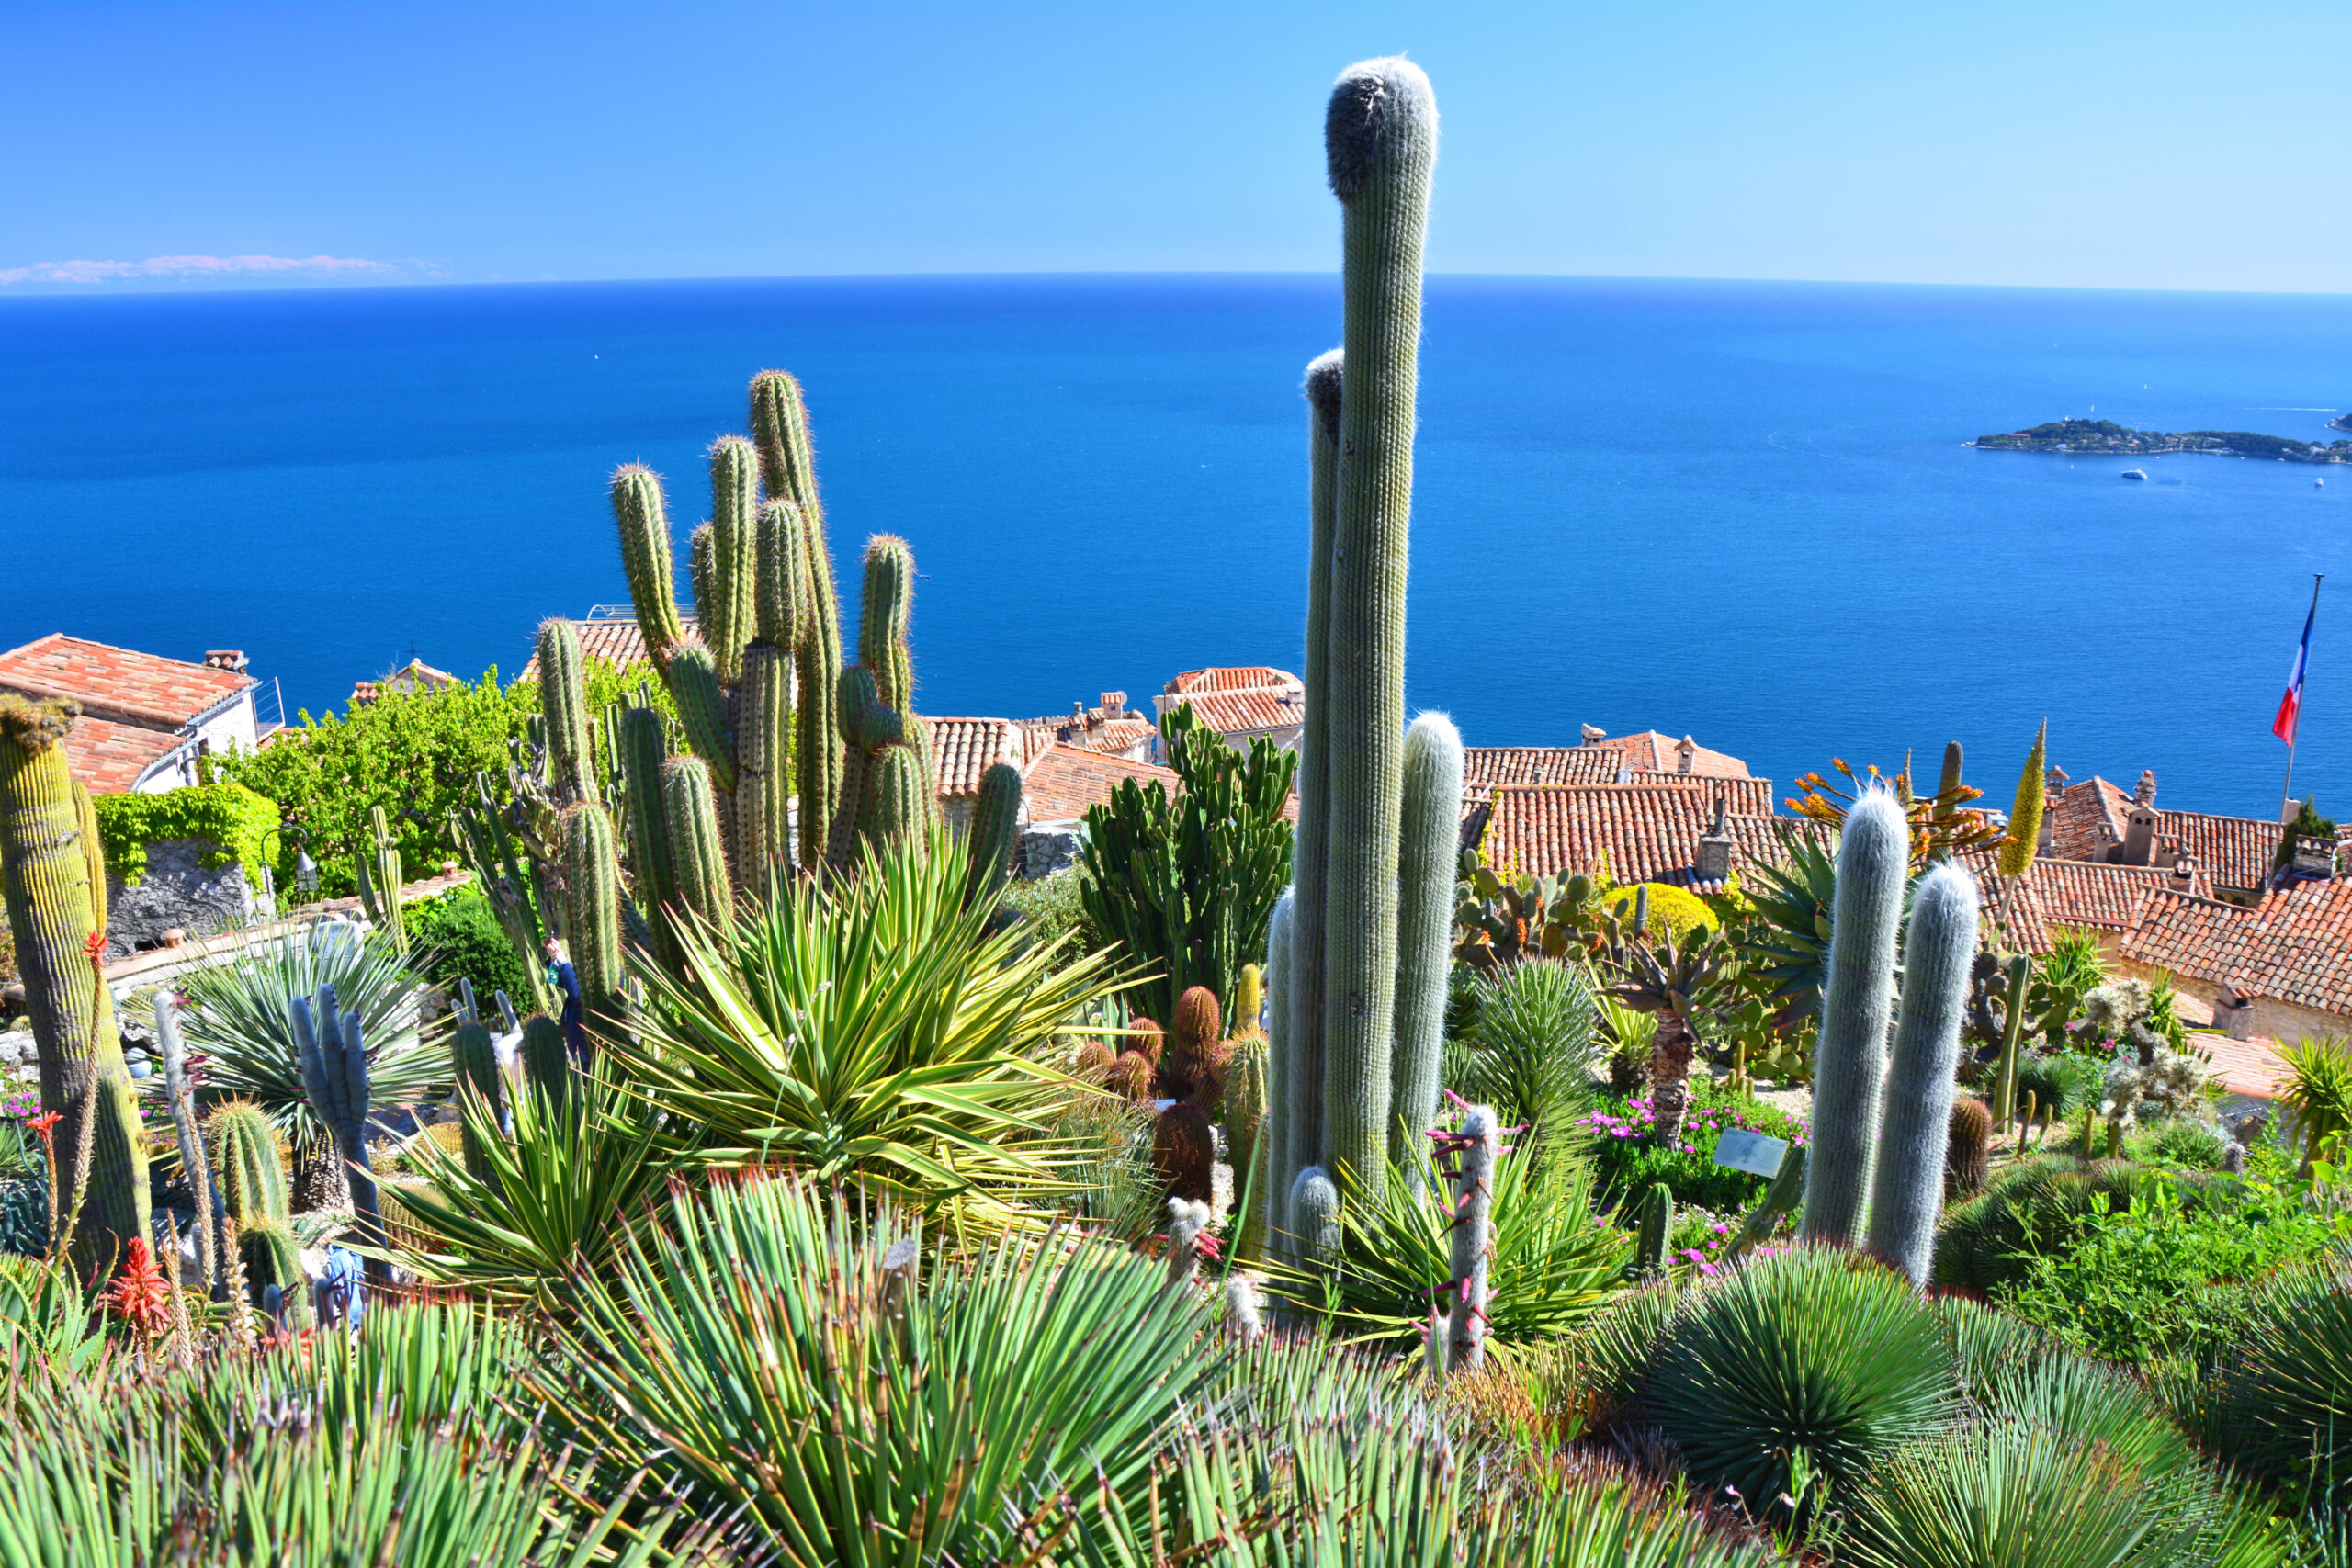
{"x":178,"y":892}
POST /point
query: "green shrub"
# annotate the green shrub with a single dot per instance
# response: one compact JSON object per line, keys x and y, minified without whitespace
{"x":458,"y":934}
{"x":2134,"y":1283}
{"x":2279,"y":1403}
{"x":2189,"y":1145}
{"x":2060,"y":1081}
{"x":1051,"y":908}
{"x":227,"y":815}
{"x":1626,"y":1159}
{"x":1808,"y":1362}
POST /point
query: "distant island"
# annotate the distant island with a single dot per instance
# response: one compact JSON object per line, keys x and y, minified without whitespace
{"x":2105,"y":436}
{"x":2341,"y":421}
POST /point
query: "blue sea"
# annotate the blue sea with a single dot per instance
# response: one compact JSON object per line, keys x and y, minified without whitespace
{"x":1742,"y":510}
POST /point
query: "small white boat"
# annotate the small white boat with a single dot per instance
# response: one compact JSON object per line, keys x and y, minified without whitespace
{"x":2135,"y":473}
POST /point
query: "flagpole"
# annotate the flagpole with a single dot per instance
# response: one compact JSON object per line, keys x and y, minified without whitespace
{"x":2286,"y":790}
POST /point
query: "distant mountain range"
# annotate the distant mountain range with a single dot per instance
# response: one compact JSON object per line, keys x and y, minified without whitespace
{"x":2106,"y":437}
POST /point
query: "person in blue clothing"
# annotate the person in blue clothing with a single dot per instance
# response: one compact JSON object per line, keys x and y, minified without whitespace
{"x":565,"y":981}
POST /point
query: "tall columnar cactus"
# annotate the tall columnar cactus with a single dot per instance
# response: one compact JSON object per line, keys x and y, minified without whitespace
{"x":53,"y":877}
{"x":789,"y":472}
{"x":476,"y":1059}
{"x":244,"y":1154}
{"x":697,"y":875}
{"x":890,"y":759}
{"x":1248,"y":1001}
{"x":1275,"y":1181}
{"x":333,"y":1056}
{"x":563,"y":699}
{"x":1874,"y":861}
{"x":1916,"y":1130}
{"x":645,"y":748}
{"x":210,"y":1232}
{"x":547,"y":1060}
{"x":1653,"y":1242}
{"x":1340,"y":1077}
{"x":1467,"y":1157}
{"x":382,"y":876}
{"x":729,"y":678}
{"x":996,"y":827}
{"x":1427,"y":850}
{"x":2005,"y":1102}
{"x":593,"y":907}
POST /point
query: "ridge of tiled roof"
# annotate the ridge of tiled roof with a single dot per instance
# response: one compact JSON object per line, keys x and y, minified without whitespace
{"x":1229,"y":678}
{"x":1108,"y":735}
{"x":1651,"y":751}
{"x":1238,"y":712}
{"x":1541,"y":765}
{"x":119,"y":684}
{"x":964,"y":749}
{"x":2087,"y":817}
{"x":2235,"y":852}
{"x":1068,"y":779}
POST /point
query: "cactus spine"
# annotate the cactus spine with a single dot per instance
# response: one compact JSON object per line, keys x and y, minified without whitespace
{"x":697,"y":875}
{"x":54,"y":881}
{"x":1468,"y":1157}
{"x":1873,"y":859}
{"x":995,"y":828}
{"x":333,"y":1056}
{"x":1915,"y":1134}
{"x":563,"y":699}
{"x":1427,"y":852}
{"x":477,"y":1060}
{"x":1654,"y":1243}
{"x":789,"y":471}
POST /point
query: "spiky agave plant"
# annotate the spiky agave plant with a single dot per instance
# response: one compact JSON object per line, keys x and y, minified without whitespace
{"x":1031,"y":1368}
{"x":1532,"y":1051}
{"x":1814,"y":1353}
{"x":240,"y":1016}
{"x":876,"y":1031}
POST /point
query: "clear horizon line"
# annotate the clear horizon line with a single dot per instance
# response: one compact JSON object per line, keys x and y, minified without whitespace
{"x":144,"y":289}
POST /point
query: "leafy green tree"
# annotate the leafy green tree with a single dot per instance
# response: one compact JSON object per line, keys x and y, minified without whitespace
{"x":1188,"y":884}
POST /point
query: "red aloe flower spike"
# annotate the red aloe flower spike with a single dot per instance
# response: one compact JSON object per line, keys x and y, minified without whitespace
{"x":45,"y":1124}
{"x":92,"y":946}
{"x":141,"y":1295}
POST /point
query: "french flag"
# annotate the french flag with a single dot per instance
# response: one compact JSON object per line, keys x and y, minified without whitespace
{"x":2290,"y":707}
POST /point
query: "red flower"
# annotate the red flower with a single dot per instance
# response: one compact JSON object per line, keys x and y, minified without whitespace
{"x":141,"y":1295}
{"x":45,"y":1124}
{"x":94,"y":947}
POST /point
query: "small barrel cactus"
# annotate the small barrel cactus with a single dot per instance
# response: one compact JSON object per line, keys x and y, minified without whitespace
{"x":245,"y":1156}
{"x":1970,"y":1149}
{"x":546,"y":1061}
{"x":1183,"y":1148}
{"x":1653,"y":1245}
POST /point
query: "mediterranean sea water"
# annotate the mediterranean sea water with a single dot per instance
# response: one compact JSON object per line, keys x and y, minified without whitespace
{"x":1741,"y":511}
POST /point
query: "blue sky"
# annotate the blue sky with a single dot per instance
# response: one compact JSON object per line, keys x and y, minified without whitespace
{"x":2147,"y":145}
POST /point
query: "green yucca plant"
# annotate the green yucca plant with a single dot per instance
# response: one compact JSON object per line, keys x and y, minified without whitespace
{"x":1531,"y":1053}
{"x":2013,"y":1495}
{"x":2279,"y":1404}
{"x":554,"y":1199}
{"x":2317,"y":1094}
{"x":1815,"y":1353}
{"x":789,"y":1363}
{"x":239,"y":1018}
{"x":1554,"y":1260}
{"x":873,"y":1030}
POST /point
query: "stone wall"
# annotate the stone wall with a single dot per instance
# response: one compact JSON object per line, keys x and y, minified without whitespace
{"x":1045,"y":848}
{"x":178,"y":892}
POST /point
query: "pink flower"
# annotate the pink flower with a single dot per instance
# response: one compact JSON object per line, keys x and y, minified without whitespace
{"x":1709,"y":1269}
{"x":1694,"y":1255}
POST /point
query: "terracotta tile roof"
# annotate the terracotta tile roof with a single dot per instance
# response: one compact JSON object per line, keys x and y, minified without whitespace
{"x":1637,"y":833}
{"x":416,"y":675}
{"x":1231,"y":678}
{"x":2295,"y":946}
{"x":1236,"y":713}
{"x":2079,"y":893}
{"x":109,"y":757}
{"x":1648,"y":751}
{"x":1541,"y":765}
{"x":964,"y":749}
{"x":613,"y":640}
{"x":1068,"y":779}
{"x":2091,"y":819}
{"x":2087,"y":817}
{"x":120,"y":684}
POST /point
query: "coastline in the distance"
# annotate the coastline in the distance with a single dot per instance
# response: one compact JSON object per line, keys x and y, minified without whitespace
{"x":2104,"y":436}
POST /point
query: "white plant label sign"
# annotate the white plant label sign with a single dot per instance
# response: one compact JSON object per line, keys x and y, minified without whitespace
{"x":1751,"y":1152}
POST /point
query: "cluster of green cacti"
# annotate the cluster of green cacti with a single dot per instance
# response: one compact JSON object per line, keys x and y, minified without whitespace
{"x":53,"y":874}
{"x":1877,"y":1158}
{"x":255,"y":1208}
{"x":889,"y":770}
{"x":334,"y":1058}
{"x":381,"y":877}
{"x":1362,"y":961}
{"x":1497,"y":923}
{"x":1189,"y":1070}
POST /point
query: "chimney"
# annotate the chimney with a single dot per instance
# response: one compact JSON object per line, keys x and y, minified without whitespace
{"x":2184,"y":871}
{"x":1714,"y":864}
{"x":2140,"y":827}
{"x":2053,"y":782}
{"x":1684,"y":753}
{"x":1114,"y":704}
{"x":1594,"y":735}
{"x":230,"y":658}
